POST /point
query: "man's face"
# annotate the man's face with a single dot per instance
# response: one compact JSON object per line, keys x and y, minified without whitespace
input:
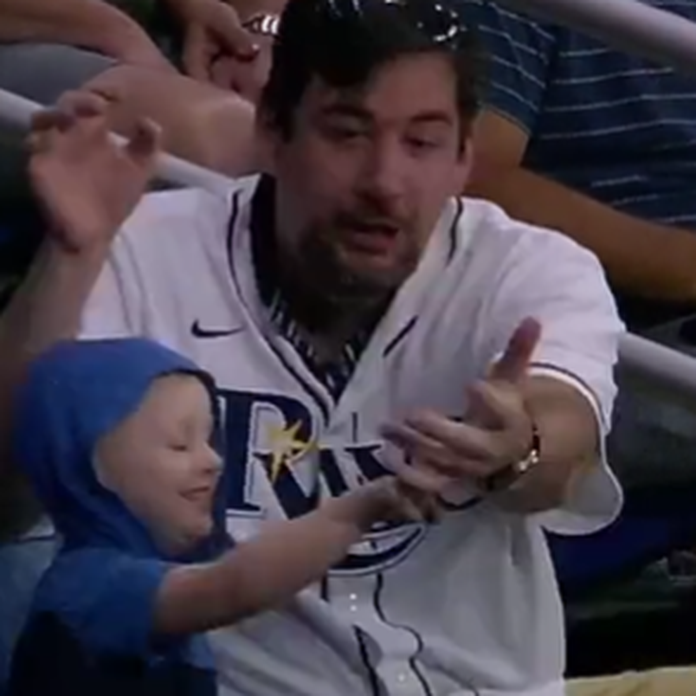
{"x":365,"y":173}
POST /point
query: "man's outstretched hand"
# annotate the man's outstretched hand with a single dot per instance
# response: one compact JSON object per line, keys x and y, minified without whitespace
{"x":87,"y":183}
{"x":496,"y":430}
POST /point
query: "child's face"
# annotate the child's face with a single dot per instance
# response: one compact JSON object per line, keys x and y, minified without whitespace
{"x":160,"y":463}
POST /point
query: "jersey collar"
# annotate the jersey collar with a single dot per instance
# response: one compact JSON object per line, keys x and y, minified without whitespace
{"x":264,"y":252}
{"x":252,"y":247}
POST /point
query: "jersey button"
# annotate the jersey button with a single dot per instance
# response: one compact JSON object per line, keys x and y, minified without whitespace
{"x":400,"y":680}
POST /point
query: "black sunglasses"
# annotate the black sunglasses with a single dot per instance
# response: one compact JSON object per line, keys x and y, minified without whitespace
{"x":442,"y":25}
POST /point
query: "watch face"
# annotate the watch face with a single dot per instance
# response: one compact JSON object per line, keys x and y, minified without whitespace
{"x":263,"y":24}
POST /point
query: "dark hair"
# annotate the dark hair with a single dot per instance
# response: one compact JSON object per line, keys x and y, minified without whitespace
{"x":344,"y":41}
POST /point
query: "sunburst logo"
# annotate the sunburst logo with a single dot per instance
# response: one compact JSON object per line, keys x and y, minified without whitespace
{"x":287,"y":448}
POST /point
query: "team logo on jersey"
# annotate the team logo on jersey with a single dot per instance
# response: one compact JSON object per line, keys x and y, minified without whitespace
{"x":276,"y":462}
{"x":287,"y":448}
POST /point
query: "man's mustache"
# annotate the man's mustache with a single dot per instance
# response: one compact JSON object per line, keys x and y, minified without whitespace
{"x":369,"y":218}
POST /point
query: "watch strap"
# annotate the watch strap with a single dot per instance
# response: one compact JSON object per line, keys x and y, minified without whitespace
{"x":507,"y":478}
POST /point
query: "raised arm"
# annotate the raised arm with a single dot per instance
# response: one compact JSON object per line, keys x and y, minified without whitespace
{"x":88,"y":186}
{"x":262,"y":574}
{"x":92,"y":24}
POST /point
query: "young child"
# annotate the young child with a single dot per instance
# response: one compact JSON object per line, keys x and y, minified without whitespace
{"x":115,"y":437}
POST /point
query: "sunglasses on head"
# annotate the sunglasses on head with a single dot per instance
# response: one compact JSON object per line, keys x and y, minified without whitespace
{"x":442,"y":25}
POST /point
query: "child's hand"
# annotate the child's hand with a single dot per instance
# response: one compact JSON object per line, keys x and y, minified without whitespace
{"x":416,"y":492}
{"x":408,"y":495}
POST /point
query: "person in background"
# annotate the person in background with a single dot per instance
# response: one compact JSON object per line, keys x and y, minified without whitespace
{"x":48,"y":48}
{"x":601,"y":145}
{"x":598,"y":144}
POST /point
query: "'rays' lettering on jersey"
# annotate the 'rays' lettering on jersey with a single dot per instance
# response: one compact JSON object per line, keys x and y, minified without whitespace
{"x":276,"y":466}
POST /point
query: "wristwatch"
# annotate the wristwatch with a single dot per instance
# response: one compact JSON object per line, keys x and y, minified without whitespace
{"x":262,"y":24}
{"x":507,"y":479}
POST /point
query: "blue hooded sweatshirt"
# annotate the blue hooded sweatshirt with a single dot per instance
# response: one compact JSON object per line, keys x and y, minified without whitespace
{"x":90,"y":628}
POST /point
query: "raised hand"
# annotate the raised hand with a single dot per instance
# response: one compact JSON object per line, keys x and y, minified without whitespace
{"x":212,"y":29}
{"x":409,"y":495}
{"x":86,"y":182}
{"x":495,"y":433}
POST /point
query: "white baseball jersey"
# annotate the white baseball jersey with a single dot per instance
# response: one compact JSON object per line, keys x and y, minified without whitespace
{"x":469,"y":606}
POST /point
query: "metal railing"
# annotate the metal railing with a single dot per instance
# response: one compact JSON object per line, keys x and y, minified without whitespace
{"x":638,"y":28}
{"x":16,"y":113}
{"x":628,"y":25}
{"x":645,"y":364}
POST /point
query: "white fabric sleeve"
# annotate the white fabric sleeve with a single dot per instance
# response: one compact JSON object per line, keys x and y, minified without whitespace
{"x":161,"y":244}
{"x":114,"y":307}
{"x":596,"y":499}
{"x":564,"y":288}
{"x":121,"y":303}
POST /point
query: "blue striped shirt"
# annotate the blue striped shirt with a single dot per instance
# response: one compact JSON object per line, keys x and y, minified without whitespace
{"x":610,"y":125}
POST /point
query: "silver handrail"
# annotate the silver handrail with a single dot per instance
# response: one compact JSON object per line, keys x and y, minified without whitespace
{"x":16,"y":113}
{"x":645,"y":363}
{"x":629,"y":25}
{"x":669,"y":39}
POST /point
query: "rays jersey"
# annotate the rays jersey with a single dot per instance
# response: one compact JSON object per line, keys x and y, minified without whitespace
{"x":466,"y":607}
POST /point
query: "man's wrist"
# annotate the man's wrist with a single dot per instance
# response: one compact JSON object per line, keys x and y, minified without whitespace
{"x":510,"y":476}
{"x":543,"y":486}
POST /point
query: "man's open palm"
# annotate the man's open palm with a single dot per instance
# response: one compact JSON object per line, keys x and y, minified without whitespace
{"x":87,"y":183}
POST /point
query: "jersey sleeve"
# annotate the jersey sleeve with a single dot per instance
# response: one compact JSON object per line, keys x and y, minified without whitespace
{"x":144,"y":287}
{"x":115,"y":306}
{"x":119,"y":304}
{"x":518,"y":53}
{"x":105,"y":599}
{"x":563,"y":286}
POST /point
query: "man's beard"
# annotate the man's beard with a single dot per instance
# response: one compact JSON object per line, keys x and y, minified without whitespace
{"x":324,"y":292}
{"x":328,"y":274}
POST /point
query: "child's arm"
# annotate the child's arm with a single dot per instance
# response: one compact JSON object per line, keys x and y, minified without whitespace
{"x":269,"y":570}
